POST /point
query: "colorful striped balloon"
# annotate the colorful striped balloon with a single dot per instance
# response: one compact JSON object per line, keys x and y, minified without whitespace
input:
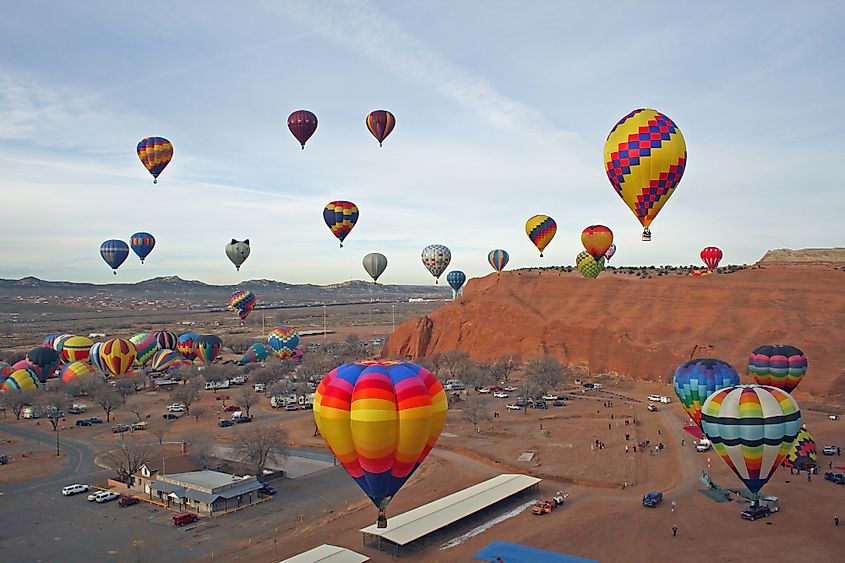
{"x":155,"y":154}
{"x":96,"y":360}
{"x":77,"y":372}
{"x":752,"y":427}
{"x":166,"y":340}
{"x":117,"y":355}
{"x":340,"y":217}
{"x":380,"y":123}
{"x":779,"y":365}
{"x":498,"y":259}
{"x":541,"y":230}
{"x":208,"y":347}
{"x":142,"y":244}
{"x":597,"y":240}
{"x":5,"y":371}
{"x":697,"y":379}
{"x":186,"y":344}
{"x":166,"y":359}
{"x":255,"y":353}
{"x":76,"y":348}
{"x":59,"y":342}
{"x":21,"y":380}
{"x":145,"y":347}
{"x":380,"y":419}
{"x":242,"y":302}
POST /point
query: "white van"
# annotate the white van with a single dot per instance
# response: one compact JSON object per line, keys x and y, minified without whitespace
{"x":71,"y":490}
{"x":702,"y":445}
{"x":665,"y":399}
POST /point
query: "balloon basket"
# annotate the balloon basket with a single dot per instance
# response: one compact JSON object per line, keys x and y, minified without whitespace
{"x":381,"y":522}
{"x":646,"y":235}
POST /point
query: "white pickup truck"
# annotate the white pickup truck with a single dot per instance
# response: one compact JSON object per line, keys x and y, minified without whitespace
{"x":659,"y":399}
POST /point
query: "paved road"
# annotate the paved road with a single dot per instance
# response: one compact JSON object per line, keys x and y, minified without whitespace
{"x":80,"y":466}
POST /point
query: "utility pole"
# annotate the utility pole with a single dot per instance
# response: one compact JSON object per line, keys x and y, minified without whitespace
{"x":393,"y":323}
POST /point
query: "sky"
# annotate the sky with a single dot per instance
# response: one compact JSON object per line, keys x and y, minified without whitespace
{"x":502,"y":111}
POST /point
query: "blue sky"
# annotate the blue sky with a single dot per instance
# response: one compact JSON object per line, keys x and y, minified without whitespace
{"x":502,"y":110}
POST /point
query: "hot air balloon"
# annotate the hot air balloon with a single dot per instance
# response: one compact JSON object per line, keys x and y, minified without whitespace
{"x":302,"y":123}
{"x":340,"y":217}
{"x":597,"y":240}
{"x":778,"y":365}
{"x":436,"y":258}
{"x":380,"y":123}
{"x":297,"y":355}
{"x":541,"y":230}
{"x":21,"y":380}
{"x":95,"y":359}
{"x":711,"y":256}
{"x":5,"y":371}
{"x":283,"y":340}
{"x":645,"y":156}
{"x":166,"y":340}
{"x":142,"y":244}
{"x":697,"y":379}
{"x":456,"y":279}
{"x":117,"y":355}
{"x":76,"y":348}
{"x":165,"y":359}
{"x":375,"y":263}
{"x":49,"y":339}
{"x":238,"y":251}
{"x":242,"y":302}
{"x":208,"y":347}
{"x":185,"y":345}
{"x":588,"y":266}
{"x":255,"y":353}
{"x":155,"y":153}
{"x":77,"y":372}
{"x":610,"y":252}
{"x":752,"y":427}
{"x":114,"y":252}
{"x":498,"y":259}
{"x":59,"y":342}
{"x":380,"y":419}
{"x":44,"y":360}
{"x":803,"y":453}
{"x":145,"y":347}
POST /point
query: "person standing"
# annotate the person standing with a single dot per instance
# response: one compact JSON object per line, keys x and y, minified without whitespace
{"x":836,"y":520}
{"x":673,"y":506}
{"x":674,"y":531}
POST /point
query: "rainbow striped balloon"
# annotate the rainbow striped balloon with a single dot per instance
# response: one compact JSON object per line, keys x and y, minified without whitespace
{"x":380,"y":419}
{"x":498,"y":259}
{"x":155,"y":154}
{"x":752,"y":428}
{"x":77,"y":372}
{"x":21,"y":380}
{"x":146,"y":346}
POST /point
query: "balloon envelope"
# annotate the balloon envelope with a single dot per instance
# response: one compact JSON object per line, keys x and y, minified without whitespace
{"x":238,"y":252}
{"x":597,"y":240}
{"x":142,"y":244}
{"x":498,"y":259}
{"x":185,"y":345}
{"x":114,"y":252}
{"x":21,"y":380}
{"x":208,"y":347}
{"x":711,"y":256}
{"x":644,"y":157}
{"x":541,"y":230}
{"x":588,"y":266}
{"x":242,"y":302}
{"x":375,"y":263}
{"x":78,"y":372}
{"x":380,"y":419}
{"x":456,"y":279}
{"x":340,"y":218}
{"x":302,"y":124}
{"x":778,"y":365}
{"x":166,"y":340}
{"x":255,"y":353}
{"x":155,"y":153}
{"x":752,"y":428}
{"x":117,"y":356}
{"x":145,"y":347}
{"x":76,"y":348}
{"x":166,"y":359}
{"x":380,"y":123}
{"x":95,"y":359}
{"x":436,"y":258}
{"x":803,"y":453}
{"x":697,"y":379}
{"x":610,"y":252}
{"x":44,"y":360}
{"x":283,"y":340}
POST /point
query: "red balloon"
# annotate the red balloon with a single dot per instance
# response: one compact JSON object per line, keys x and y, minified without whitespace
{"x":302,"y":123}
{"x":711,"y":256}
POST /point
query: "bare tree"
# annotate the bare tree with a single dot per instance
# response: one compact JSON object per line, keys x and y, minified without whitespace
{"x":17,"y":400}
{"x":105,"y":396}
{"x":54,"y":404}
{"x":198,"y":412}
{"x":159,"y":430}
{"x":479,"y":375}
{"x":280,"y":388}
{"x":476,"y":409}
{"x":452,"y":364}
{"x":239,"y":344}
{"x":247,"y":399}
{"x":540,"y":376}
{"x":137,"y":408}
{"x":258,"y":444}
{"x":261,"y":375}
{"x":202,"y":450}
{"x":187,"y":394}
{"x":128,"y":459}
{"x":504,"y":366}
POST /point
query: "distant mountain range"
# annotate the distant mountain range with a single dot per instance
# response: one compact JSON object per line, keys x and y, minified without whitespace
{"x":267,"y":291}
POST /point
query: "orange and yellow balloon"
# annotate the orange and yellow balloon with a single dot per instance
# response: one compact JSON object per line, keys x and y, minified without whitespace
{"x":645,"y":156}
{"x":380,"y":419}
{"x":597,"y":240}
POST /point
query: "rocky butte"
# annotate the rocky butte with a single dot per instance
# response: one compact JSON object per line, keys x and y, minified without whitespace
{"x":644,"y":327}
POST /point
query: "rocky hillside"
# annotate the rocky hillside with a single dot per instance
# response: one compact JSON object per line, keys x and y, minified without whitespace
{"x":805,"y":257}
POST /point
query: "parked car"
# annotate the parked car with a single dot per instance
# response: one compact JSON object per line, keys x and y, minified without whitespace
{"x":829,"y":450}
{"x":260,"y":387}
{"x":291,"y":407}
{"x":754,"y":512}
{"x":138,"y":426}
{"x":225,"y":423}
{"x":702,"y":445}
{"x":652,"y":499}
{"x":232,"y":408}
{"x":835,"y":476}
{"x":550,"y":397}
{"x":540,"y":405}
{"x":93,"y":496}
{"x":514,"y":407}
{"x":118,"y":428}
{"x":510,"y":388}
{"x":500,"y":395}
{"x":176,"y":407}
{"x":126,"y":500}
{"x":107,"y":496}
{"x":184,"y":518}
{"x":169,"y":416}
{"x":94,"y":420}
{"x":559,"y":404}
{"x":83,"y":422}
{"x":242,"y":419}
{"x":76,"y":409}
{"x":267,"y":489}
{"x":4,"y":459}
{"x":74,"y":489}
{"x":484,"y":390}
{"x":496,"y":388}
{"x":652,"y":408}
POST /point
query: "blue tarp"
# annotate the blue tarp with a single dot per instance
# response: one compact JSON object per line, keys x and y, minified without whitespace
{"x":515,"y":553}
